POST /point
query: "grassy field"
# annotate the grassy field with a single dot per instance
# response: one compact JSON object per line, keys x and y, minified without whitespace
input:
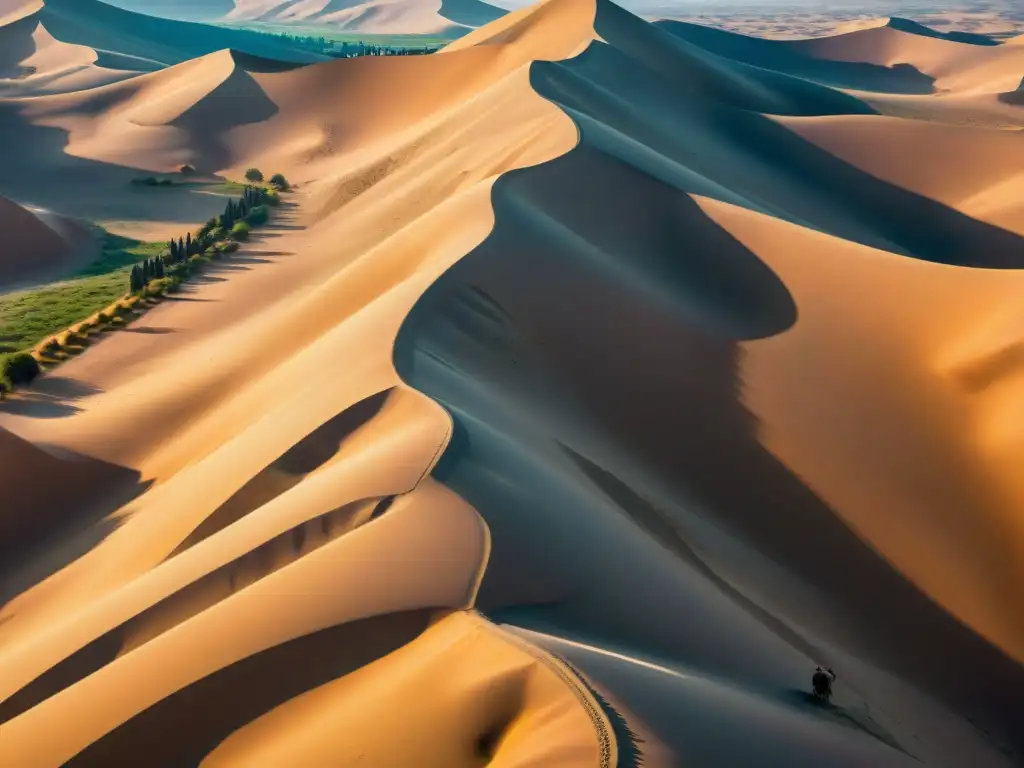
{"x":27,"y":317}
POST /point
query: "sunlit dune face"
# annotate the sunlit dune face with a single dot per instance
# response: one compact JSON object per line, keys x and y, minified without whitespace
{"x":460,"y":695}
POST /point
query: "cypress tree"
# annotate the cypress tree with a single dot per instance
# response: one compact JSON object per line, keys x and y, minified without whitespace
{"x":189,"y":250}
{"x":135,"y":280}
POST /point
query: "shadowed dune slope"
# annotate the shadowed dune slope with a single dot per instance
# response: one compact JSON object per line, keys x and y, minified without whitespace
{"x":973,"y":170}
{"x":124,"y":33}
{"x":956,"y":65}
{"x":31,"y":250}
{"x":780,"y":56}
{"x":593,"y":340}
{"x":598,"y":380}
{"x":470,"y":13}
{"x":32,"y":61}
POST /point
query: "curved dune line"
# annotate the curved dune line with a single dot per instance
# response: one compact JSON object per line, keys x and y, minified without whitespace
{"x":602,"y":727}
{"x":64,"y":627}
{"x":856,"y":530}
{"x":305,"y":596}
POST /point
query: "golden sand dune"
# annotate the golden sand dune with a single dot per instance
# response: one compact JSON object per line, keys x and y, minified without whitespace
{"x":955,"y":65}
{"x":126,"y":40}
{"x":33,"y":62}
{"x":600,"y":380}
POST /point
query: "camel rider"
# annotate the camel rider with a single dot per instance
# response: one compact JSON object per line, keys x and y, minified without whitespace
{"x":822,"y":682}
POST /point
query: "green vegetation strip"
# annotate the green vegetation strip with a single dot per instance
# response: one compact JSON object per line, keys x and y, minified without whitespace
{"x":27,"y":317}
{"x":66,"y":314}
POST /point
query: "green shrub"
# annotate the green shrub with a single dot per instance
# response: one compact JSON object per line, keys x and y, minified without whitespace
{"x":254,"y":174}
{"x":181,"y":270}
{"x":229,"y":247}
{"x":19,"y":368}
{"x":103,"y":317}
{"x":279,"y":181}
{"x":258,"y":216}
{"x":240,"y":231}
{"x":271,"y":197}
{"x":5,"y":387}
{"x":162,"y":286}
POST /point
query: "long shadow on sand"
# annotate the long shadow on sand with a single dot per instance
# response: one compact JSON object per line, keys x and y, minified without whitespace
{"x":634,"y":320}
{"x":183,"y":728}
{"x":50,"y":397}
{"x":197,"y":596}
{"x":779,"y":56}
{"x":692,"y":138}
{"x":56,"y":508}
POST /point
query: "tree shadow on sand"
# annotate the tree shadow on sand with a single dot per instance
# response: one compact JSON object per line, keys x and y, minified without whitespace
{"x":49,"y":397}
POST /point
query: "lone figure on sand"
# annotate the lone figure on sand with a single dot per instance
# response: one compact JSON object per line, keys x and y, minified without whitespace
{"x":822,"y":683}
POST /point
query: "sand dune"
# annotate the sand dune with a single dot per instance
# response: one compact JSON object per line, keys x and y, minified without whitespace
{"x":117,"y":33}
{"x":452,"y":17}
{"x":38,"y":247}
{"x":34,"y":62}
{"x":600,"y":380}
{"x":930,"y":159}
{"x":955,"y":65}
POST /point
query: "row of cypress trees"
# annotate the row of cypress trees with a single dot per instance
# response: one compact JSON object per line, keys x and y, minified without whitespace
{"x":237,"y":210}
{"x":179,"y":250}
{"x":143,"y":272}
